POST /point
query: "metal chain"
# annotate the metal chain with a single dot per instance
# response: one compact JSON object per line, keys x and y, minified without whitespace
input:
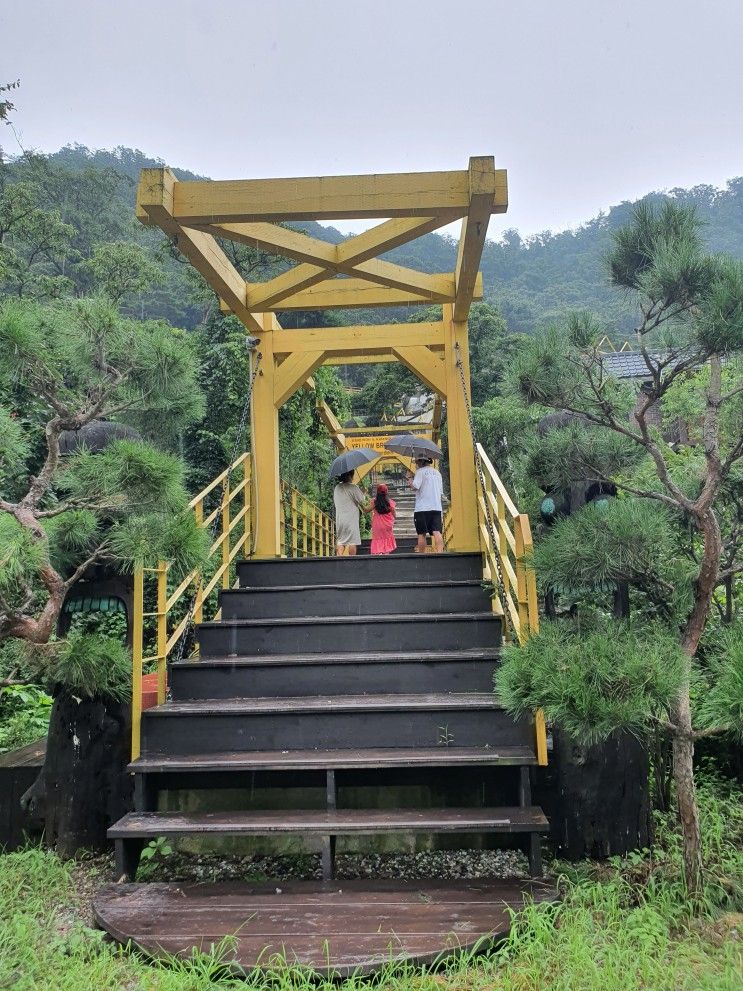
{"x":486,"y":503}
{"x":236,"y":448}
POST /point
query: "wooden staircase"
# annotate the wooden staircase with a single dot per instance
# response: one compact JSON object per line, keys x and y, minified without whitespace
{"x":334,"y":673}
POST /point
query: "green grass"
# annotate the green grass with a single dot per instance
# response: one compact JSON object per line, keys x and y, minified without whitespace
{"x":623,"y":926}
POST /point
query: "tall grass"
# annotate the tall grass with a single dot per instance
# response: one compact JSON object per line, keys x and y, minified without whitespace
{"x":624,"y":926}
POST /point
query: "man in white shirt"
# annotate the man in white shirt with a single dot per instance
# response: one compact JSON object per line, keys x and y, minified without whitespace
{"x":428,"y":487}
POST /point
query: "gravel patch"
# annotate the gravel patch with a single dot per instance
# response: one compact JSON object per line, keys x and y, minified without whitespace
{"x":434,"y":864}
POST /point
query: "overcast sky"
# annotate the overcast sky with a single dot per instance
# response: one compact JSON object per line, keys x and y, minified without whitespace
{"x":585,"y":102}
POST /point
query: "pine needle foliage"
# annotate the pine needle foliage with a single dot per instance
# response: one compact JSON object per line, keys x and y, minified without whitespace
{"x":720,"y":704}
{"x":577,"y":452}
{"x":593,"y":682}
{"x":92,"y":665}
{"x":604,"y":543}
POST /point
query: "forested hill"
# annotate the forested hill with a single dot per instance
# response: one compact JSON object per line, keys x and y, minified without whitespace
{"x":532,"y":280}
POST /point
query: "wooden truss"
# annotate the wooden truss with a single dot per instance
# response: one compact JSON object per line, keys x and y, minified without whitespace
{"x":197,"y":215}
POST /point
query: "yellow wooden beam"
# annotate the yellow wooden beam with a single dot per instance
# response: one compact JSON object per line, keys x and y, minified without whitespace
{"x":462,"y":477}
{"x":332,"y":425}
{"x":354,"y":257}
{"x":293,"y":372}
{"x":426,"y":365}
{"x":438,"y":413}
{"x":412,"y":194}
{"x":345,"y":293}
{"x":483,"y":193}
{"x":155,"y":196}
{"x":303,"y":248}
{"x":264,"y":432}
{"x":361,"y":359}
{"x":359,"y":339}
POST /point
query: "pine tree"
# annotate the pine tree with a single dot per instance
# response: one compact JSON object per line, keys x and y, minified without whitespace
{"x":690,"y":336}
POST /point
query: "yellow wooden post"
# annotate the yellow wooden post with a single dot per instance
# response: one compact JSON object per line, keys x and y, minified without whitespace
{"x":282,"y":523}
{"x":225,"y":531}
{"x":521,"y":591}
{"x":305,"y":527}
{"x":162,"y":630}
{"x":264,"y":428}
{"x":198,"y":611}
{"x":137,"y":651}
{"x":462,"y":474}
{"x":247,"y":506}
{"x":295,"y":524}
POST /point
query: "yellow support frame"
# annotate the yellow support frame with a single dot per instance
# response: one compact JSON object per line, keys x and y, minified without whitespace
{"x":200,"y":214}
{"x":408,"y":205}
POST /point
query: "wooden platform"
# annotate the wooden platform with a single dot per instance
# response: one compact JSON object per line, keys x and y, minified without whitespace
{"x":339,"y":927}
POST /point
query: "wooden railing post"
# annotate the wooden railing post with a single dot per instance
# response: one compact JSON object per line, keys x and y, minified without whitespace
{"x":198,"y":613}
{"x":137,"y":652}
{"x":295,"y":524}
{"x":247,"y":505}
{"x":226,"y":530}
{"x":162,"y":631}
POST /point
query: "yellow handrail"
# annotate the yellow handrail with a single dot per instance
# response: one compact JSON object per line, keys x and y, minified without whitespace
{"x":508,"y":552}
{"x":309,"y":530}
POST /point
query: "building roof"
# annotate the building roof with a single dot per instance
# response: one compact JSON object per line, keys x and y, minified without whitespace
{"x":627,"y":364}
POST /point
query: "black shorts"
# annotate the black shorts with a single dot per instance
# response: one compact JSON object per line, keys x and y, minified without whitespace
{"x":428,"y":521}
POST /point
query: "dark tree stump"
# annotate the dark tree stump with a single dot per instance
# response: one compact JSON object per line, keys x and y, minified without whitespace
{"x":83,"y":786}
{"x":597,"y":798}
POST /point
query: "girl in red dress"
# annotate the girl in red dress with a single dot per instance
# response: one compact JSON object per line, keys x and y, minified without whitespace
{"x":383,"y":522}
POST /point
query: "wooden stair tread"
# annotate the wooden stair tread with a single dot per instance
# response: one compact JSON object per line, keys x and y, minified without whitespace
{"x":328,"y":703}
{"x":293,"y":760}
{"x":381,"y":557}
{"x":506,"y":819}
{"x":350,"y":586}
{"x":361,"y":658}
{"x":452,"y":617}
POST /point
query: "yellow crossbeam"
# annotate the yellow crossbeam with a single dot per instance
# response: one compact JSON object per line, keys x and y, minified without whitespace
{"x":411,"y":194}
{"x":359,"y":339}
{"x":348,"y":293}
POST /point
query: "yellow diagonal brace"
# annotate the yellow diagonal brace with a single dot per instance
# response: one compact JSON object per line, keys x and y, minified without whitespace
{"x":354,"y":257}
{"x":426,"y":365}
{"x":293,"y":372}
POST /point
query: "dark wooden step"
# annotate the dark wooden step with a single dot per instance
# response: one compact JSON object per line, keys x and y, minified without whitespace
{"x":363,"y":925}
{"x":322,"y":760}
{"x":334,"y":674}
{"x":331,"y":722}
{"x":405,"y":541}
{"x":339,"y":822}
{"x":343,"y":634}
{"x":382,"y":598}
{"x":361,"y":569}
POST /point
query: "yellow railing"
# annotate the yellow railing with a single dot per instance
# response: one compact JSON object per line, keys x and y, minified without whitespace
{"x":507,"y":553}
{"x":226,"y":506}
{"x":305,"y":529}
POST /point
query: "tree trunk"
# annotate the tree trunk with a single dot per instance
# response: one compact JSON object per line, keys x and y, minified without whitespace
{"x":683,"y":739}
{"x":597,"y":798}
{"x":83,"y":786}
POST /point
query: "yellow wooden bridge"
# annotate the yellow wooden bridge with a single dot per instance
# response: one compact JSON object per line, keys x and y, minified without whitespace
{"x":295,"y":675}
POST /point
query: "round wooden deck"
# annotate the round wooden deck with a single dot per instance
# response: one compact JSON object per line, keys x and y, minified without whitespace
{"x":339,"y":926}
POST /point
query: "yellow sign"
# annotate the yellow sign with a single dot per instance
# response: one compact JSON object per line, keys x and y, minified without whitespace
{"x":376,"y":442}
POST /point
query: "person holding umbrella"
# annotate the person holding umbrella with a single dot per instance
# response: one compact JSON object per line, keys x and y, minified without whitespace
{"x":349,"y":500}
{"x":428,"y":514}
{"x":428,"y":485}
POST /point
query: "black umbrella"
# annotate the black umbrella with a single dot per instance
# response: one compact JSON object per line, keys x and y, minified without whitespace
{"x":352,"y":459}
{"x":411,"y":446}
